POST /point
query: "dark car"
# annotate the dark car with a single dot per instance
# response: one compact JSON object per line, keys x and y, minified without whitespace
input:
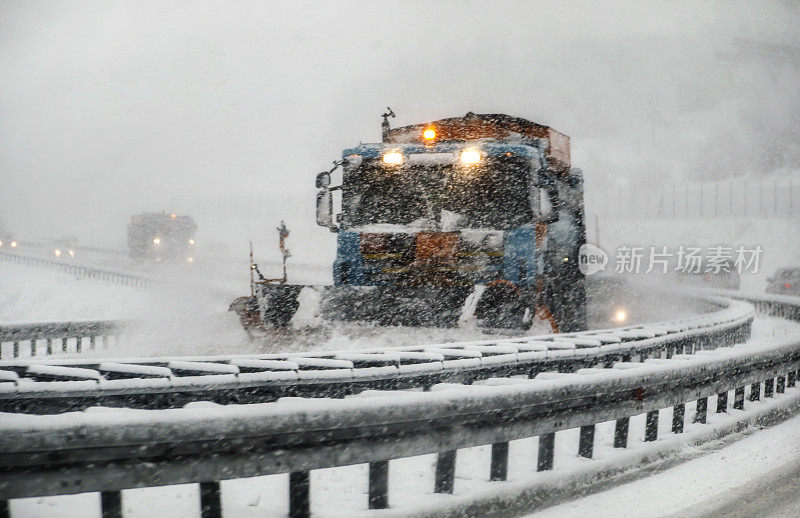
{"x":785,"y":281}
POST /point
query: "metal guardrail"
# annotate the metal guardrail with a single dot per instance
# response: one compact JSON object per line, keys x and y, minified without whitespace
{"x":170,"y":382}
{"x":77,"y":269}
{"x":783,"y":306}
{"x":126,"y":449}
{"x":57,"y":336}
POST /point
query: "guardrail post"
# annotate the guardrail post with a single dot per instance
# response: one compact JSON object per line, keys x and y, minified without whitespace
{"x":678,"y":413}
{"x":651,"y":426}
{"x":621,"y":433}
{"x":722,"y":403}
{"x":701,"y":410}
{"x":755,"y":391}
{"x":769,"y":387}
{"x":498,"y":469}
{"x":111,"y":504}
{"x":546,"y":449}
{"x":79,"y":344}
{"x":299,"y":495}
{"x":445,"y":472}
{"x":781,"y":384}
{"x":210,"y":500}
{"x":379,"y":484}
{"x":738,"y":399}
{"x":586,"y":441}
{"x":64,"y":344}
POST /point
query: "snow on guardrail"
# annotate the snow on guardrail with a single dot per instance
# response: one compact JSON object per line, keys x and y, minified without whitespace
{"x":225,"y":379}
{"x":113,"y":450}
{"x":77,"y":269}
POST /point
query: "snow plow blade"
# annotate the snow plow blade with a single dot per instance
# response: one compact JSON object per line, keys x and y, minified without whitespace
{"x":276,"y":306}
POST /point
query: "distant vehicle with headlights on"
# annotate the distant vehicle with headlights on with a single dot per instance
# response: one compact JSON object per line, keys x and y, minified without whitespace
{"x":785,"y":281}
{"x":161,"y":237}
{"x":8,"y":242}
{"x":64,"y":248}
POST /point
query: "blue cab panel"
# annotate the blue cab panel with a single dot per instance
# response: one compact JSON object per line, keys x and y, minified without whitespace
{"x":519,"y":257}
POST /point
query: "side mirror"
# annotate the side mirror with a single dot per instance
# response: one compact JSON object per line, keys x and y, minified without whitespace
{"x":548,"y":206}
{"x":325,"y":209}
{"x":323,"y":180}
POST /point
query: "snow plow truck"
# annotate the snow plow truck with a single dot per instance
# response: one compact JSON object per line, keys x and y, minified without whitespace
{"x":469,"y":219}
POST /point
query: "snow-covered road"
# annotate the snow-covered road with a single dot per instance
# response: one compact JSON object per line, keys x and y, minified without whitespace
{"x":758,"y":475}
{"x":775,"y":495}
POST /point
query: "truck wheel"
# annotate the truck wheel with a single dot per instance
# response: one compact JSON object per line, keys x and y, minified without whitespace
{"x":281,"y":304}
{"x":501,"y":307}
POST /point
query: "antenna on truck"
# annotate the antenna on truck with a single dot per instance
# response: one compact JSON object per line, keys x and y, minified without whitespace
{"x":385,"y":124}
{"x":283,"y":233}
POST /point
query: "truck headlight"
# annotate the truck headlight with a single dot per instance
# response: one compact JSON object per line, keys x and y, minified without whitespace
{"x":470,"y":156}
{"x":393,"y":158}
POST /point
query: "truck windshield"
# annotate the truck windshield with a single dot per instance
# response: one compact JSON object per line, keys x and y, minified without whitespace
{"x":440,"y":196}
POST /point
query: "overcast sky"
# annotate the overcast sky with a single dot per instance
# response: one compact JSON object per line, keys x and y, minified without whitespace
{"x":109,"y":108}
